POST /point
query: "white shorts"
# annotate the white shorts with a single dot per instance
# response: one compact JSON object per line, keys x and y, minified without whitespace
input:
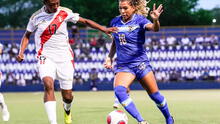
{"x":62,"y":71}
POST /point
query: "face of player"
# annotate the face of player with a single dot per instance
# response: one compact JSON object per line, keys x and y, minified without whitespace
{"x":126,"y":10}
{"x":52,"y":5}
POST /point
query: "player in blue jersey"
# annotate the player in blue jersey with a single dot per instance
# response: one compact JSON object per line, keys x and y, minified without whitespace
{"x":132,"y":61}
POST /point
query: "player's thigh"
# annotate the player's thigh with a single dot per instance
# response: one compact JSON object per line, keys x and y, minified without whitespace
{"x":47,"y":68}
{"x":65,"y":71}
{"x":149,"y":83}
{"x":124,"y":79}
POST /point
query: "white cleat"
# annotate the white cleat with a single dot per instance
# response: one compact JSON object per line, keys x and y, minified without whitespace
{"x":5,"y":115}
{"x":143,"y":122}
{"x":116,"y":105}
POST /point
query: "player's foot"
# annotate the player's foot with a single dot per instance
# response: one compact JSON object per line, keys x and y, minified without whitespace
{"x":116,"y":105}
{"x":170,"y":120}
{"x":143,"y":122}
{"x":67,"y":118}
{"x":5,"y":115}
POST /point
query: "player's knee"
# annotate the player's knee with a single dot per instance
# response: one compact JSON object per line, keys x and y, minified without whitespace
{"x":48,"y":87}
{"x":120,"y":92}
{"x":158,"y":99}
{"x":68,"y":98}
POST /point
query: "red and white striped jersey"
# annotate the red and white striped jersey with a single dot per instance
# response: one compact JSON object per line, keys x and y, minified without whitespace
{"x":51,"y":35}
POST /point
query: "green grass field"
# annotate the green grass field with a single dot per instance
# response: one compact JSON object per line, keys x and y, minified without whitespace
{"x":187,"y":106}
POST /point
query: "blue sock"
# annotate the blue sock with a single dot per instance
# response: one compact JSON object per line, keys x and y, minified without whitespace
{"x":122,"y":95}
{"x":161,"y":104}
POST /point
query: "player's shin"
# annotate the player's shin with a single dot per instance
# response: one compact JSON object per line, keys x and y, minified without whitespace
{"x":2,"y":102}
{"x":50,"y":107}
{"x":126,"y":101}
{"x":67,"y":107}
{"x":161,"y":104}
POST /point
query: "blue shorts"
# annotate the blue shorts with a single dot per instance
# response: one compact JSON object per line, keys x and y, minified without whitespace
{"x":139,"y":71}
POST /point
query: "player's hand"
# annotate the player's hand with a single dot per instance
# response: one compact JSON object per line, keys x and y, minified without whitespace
{"x":110,"y":30}
{"x":20,"y":57}
{"x":108,"y":63}
{"x":155,"y":14}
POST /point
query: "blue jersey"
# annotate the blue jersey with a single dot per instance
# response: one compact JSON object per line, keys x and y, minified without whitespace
{"x":130,"y":40}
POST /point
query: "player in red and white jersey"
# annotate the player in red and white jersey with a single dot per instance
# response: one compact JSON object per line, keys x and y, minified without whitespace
{"x":3,"y":106}
{"x":55,"y":58}
{"x":51,"y":36}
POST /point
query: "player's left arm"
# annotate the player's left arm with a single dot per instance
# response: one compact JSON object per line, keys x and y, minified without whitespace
{"x":95,"y":25}
{"x":155,"y":14}
{"x":109,"y":59}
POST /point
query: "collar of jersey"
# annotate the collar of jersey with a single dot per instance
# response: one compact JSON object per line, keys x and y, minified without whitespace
{"x":43,"y":9}
{"x":129,"y":20}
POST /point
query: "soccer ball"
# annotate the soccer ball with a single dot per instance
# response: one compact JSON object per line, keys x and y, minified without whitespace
{"x":117,"y":117}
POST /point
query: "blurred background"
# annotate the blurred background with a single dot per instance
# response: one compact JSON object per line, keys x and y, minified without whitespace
{"x":185,"y":53}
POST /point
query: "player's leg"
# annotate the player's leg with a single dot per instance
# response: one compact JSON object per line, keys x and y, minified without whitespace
{"x":116,"y":103}
{"x":149,"y":84}
{"x":47,"y":71}
{"x":122,"y":82}
{"x":67,"y":103}
{"x":5,"y":113}
{"x":65,"y":75}
{"x":49,"y":99}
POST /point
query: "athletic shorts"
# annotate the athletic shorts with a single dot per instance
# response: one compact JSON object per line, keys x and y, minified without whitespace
{"x":62,"y":71}
{"x":139,"y":71}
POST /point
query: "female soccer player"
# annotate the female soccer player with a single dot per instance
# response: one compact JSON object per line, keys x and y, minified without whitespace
{"x":132,"y":61}
{"x":55,"y":58}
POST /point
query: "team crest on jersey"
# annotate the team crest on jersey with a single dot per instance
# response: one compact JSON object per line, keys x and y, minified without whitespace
{"x":129,"y":28}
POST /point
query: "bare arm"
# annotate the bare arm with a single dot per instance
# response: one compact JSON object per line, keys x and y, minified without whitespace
{"x":109,"y":59}
{"x":155,"y":14}
{"x":95,"y":25}
{"x":154,"y":27}
{"x":112,"y":50}
{"x":23,"y":46}
{"x":92,"y":24}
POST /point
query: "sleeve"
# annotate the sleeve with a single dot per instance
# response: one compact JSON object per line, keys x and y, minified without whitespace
{"x":31,"y":27}
{"x":74,"y":17}
{"x":144,"y":22}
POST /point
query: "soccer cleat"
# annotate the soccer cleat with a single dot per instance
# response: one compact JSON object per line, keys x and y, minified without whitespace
{"x":116,"y":105}
{"x":67,"y":118}
{"x":5,"y":115}
{"x":170,"y":120}
{"x":143,"y":122}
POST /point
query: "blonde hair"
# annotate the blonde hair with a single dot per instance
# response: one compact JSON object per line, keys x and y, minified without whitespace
{"x":140,"y":6}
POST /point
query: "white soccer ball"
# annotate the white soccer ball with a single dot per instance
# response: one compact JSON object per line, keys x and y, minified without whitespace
{"x":117,"y":117}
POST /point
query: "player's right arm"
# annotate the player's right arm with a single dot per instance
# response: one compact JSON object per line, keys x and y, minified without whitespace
{"x":97,"y":26}
{"x":23,"y":46}
{"x":109,"y":59}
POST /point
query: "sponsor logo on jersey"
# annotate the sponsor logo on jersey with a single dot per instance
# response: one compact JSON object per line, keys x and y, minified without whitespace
{"x":129,"y":28}
{"x":60,"y":18}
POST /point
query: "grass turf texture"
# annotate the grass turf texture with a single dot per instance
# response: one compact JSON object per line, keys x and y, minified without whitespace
{"x":187,"y":106}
